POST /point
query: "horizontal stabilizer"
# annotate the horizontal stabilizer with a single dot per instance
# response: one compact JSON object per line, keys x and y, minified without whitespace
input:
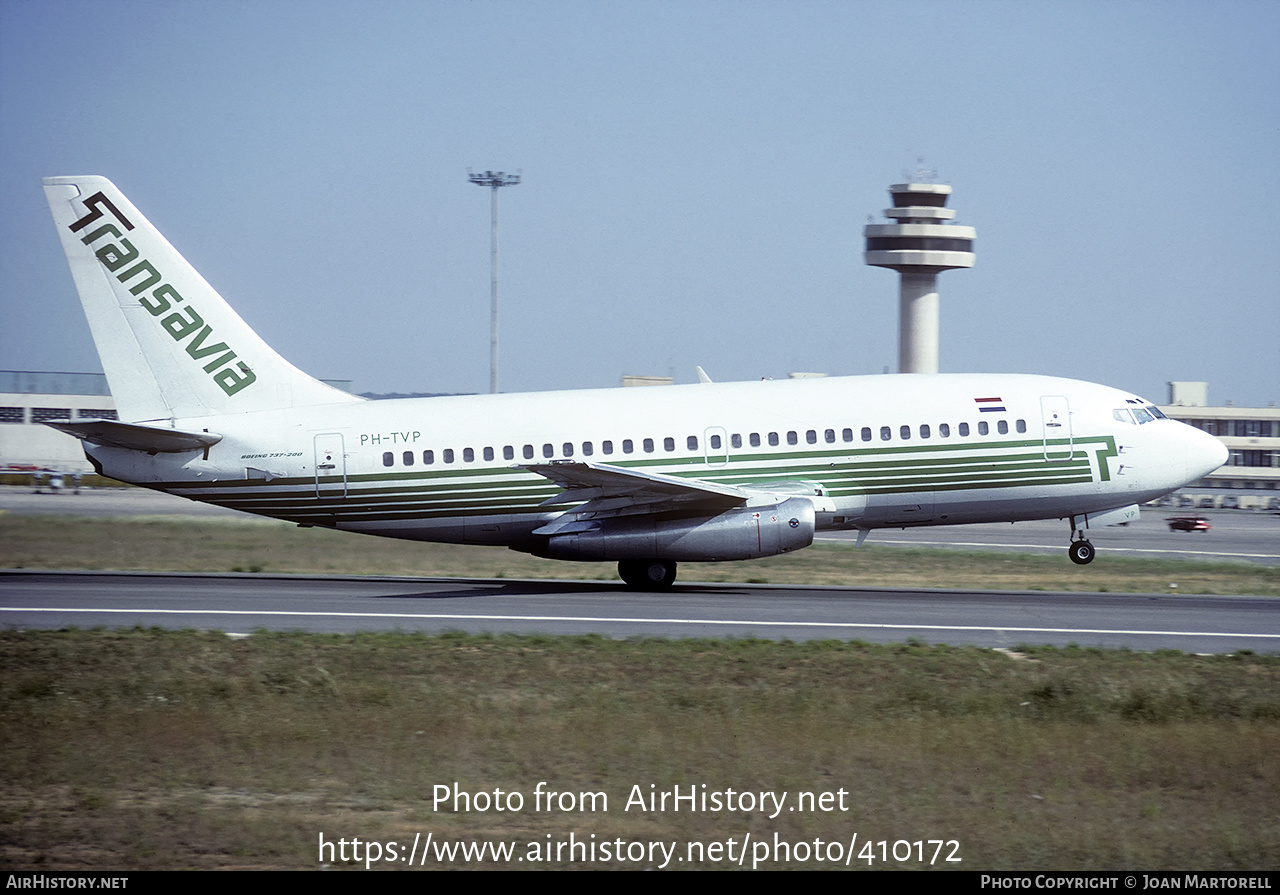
{"x":135,"y":436}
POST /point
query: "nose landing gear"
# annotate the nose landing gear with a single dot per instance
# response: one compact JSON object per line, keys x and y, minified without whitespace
{"x":1081,"y":551}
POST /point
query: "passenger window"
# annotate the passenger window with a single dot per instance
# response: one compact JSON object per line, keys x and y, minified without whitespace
{"x":528,"y":451}
{"x":866,"y":433}
{"x":568,"y":449}
{"x":508,"y":452}
{"x":964,"y":430}
{"x":668,"y":443}
{"x":388,"y":459}
{"x":606,"y":447}
{"x":811,"y":437}
{"x":448,"y":455}
{"x":944,"y":430}
{"x":428,"y":457}
{"x":885,"y":433}
{"x":627,"y":446}
{"x":1021,"y":426}
{"x":924,"y":430}
{"x":773,"y":439}
{"x":587,"y":449}
{"x":468,"y":455}
{"x":407,"y":457}
{"x":792,"y":437}
{"x":488,"y":453}
{"x":755,"y":439}
{"x":548,"y":451}
{"x":692,"y":442}
{"x":648,"y":445}
{"x":904,"y":432}
{"x":1002,"y":427}
{"x":830,"y":436}
{"x":983,"y":428}
{"x":715,"y":442}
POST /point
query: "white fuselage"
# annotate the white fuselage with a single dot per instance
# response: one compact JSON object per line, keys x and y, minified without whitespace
{"x":870,"y":451}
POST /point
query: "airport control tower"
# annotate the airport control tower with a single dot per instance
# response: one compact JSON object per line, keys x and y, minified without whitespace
{"x":918,"y":246}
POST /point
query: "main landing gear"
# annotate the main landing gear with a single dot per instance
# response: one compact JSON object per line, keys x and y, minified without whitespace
{"x":647,"y":574}
{"x":1081,"y":551}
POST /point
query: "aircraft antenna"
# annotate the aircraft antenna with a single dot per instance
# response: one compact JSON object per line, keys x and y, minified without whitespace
{"x":495,"y":180}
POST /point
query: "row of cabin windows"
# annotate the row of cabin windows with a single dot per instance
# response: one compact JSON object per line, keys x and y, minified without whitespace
{"x":715,"y":442}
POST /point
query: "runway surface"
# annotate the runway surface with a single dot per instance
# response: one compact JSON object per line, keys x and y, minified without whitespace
{"x":245,"y":603}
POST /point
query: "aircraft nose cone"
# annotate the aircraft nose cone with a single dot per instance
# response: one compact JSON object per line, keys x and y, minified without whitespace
{"x":1205,"y":454}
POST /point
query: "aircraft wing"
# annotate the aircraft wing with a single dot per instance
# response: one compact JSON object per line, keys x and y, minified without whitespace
{"x":605,"y":490}
{"x":136,"y":436}
{"x":599,"y":481}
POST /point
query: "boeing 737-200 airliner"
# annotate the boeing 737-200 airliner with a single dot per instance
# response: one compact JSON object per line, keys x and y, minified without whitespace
{"x":645,"y":477}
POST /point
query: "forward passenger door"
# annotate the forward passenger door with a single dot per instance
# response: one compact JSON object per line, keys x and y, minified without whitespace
{"x":1056,"y":415}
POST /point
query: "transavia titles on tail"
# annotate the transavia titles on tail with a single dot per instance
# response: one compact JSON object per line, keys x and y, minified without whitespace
{"x":643,"y":477}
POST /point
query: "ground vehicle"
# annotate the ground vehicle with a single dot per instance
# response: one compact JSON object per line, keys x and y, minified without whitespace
{"x":1188,"y":523}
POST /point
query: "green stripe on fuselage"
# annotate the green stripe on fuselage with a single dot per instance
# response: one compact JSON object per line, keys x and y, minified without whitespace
{"x":474,"y":491}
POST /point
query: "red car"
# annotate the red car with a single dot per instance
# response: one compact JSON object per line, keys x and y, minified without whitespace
{"x":1188,"y":523}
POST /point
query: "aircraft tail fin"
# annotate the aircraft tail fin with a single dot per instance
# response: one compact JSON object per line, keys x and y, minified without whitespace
{"x":170,"y":345}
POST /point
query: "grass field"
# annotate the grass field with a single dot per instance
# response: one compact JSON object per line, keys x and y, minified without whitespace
{"x":150,"y":749}
{"x":143,"y":749}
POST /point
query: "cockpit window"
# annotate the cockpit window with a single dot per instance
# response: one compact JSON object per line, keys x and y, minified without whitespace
{"x":1140,"y":413}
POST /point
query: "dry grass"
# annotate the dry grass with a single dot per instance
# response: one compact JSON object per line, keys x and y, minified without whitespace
{"x":150,"y":749}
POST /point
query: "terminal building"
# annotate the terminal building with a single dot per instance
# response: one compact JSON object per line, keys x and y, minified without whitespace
{"x":1249,"y":480}
{"x":28,"y":399}
{"x":1251,"y":477}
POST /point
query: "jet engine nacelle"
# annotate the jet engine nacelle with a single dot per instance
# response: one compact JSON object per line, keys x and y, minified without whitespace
{"x":746,"y":532}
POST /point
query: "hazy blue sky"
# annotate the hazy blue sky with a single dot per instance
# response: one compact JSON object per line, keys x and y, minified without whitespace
{"x":696,"y":179}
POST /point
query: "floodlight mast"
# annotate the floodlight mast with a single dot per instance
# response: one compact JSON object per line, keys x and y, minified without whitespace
{"x":494,"y":180}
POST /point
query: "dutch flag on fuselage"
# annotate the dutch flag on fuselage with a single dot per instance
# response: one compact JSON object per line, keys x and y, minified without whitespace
{"x":990,"y":405}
